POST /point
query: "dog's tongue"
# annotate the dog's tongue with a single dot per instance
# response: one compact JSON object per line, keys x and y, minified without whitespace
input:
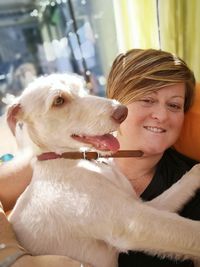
{"x":101,"y":142}
{"x":105,"y":142}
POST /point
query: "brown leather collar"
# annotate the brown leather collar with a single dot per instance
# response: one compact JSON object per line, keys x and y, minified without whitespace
{"x":90,"y":155}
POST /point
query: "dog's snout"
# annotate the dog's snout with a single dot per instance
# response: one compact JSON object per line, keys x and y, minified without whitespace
{"x":120,"y":113}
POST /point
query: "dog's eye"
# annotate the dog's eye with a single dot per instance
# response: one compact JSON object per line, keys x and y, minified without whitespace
{"x":58,"y":101}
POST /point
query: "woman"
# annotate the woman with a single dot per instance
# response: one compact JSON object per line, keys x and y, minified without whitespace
{"x":158,"y":88}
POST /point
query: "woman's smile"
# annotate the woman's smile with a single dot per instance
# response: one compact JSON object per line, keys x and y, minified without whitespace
{"x":155,"y":129}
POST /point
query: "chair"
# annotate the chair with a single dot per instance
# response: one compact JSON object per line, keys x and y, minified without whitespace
{"x":189,"y":140}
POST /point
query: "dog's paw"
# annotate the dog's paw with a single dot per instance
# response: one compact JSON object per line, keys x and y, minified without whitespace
{"x":195,"y":170}
{"x":192,"y":177}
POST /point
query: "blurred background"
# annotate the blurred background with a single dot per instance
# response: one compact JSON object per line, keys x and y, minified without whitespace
{"x":84,"y":36}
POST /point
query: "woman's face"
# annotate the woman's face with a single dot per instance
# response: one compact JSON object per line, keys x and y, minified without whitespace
{"x":154,"y":121}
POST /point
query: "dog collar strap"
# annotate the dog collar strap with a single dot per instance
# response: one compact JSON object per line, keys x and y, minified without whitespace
{"x":90,"y":155}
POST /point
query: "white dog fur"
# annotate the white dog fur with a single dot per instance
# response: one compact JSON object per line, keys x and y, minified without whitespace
{"x":84,"y":209}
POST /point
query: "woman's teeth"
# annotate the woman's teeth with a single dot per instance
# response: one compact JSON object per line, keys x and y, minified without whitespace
{"x":155,"y":129}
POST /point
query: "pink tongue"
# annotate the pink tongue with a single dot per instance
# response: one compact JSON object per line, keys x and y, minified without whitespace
{"x":106,"y":142}
{"x":101,"y":142}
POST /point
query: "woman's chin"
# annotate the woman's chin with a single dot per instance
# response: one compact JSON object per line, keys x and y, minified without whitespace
{"x":154,"y":150}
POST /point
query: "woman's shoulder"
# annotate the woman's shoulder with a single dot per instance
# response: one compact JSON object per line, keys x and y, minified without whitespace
{"x":179,"y":164}
{"x":173,"y":157}
{"x":172,"y":166}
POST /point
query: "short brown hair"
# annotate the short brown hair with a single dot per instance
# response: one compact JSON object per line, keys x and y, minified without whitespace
{"x":140,"y":71}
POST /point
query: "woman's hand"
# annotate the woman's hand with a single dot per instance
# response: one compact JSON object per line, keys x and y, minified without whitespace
{"x":46,"y":261}
{"x":15,"y":175}
{"x":8,"y":238}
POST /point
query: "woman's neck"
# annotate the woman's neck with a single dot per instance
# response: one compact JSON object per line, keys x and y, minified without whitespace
{"x":139,"y":171}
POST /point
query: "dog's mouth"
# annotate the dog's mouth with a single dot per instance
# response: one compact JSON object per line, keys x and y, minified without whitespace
{"x":106,"y":142}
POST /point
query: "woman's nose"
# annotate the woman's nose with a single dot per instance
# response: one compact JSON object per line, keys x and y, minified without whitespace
{"x":160,"y":113}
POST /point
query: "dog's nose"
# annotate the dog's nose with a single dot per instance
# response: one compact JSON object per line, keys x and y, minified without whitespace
{"x":120,"y":114}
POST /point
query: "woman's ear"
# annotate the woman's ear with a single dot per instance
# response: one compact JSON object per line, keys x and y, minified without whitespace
{"x":13,"y":114}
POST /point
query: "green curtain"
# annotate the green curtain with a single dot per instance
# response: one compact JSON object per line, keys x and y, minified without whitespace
{"x":136,"y":24}
{"x":171,"y":25}
{"x":179,"y":20}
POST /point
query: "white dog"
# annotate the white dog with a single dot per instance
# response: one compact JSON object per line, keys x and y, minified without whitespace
{"x":85,"y":209}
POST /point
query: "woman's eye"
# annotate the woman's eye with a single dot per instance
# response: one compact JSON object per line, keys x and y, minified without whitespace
{"x":175,"y":107}
{"x":147,"y":100}
{"x":59,"y":101}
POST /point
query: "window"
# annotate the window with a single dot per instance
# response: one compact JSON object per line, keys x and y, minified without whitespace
{"x":42,"y":37}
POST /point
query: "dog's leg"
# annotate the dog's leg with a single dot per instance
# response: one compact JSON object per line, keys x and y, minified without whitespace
{"x":178,"y":194}
{"x":136,"y":226}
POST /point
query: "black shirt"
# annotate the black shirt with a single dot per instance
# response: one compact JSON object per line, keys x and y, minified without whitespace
{"x":170,"y":169}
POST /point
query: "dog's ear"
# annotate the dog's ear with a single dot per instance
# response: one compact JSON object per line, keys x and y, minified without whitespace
{"x":14,"y":112}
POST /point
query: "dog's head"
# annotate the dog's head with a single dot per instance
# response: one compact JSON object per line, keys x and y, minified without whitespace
{"x":60,"y":116}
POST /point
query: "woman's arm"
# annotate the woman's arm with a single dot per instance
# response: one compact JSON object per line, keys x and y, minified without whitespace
{"x":15,"y":175}
{"x":12,"y":255}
